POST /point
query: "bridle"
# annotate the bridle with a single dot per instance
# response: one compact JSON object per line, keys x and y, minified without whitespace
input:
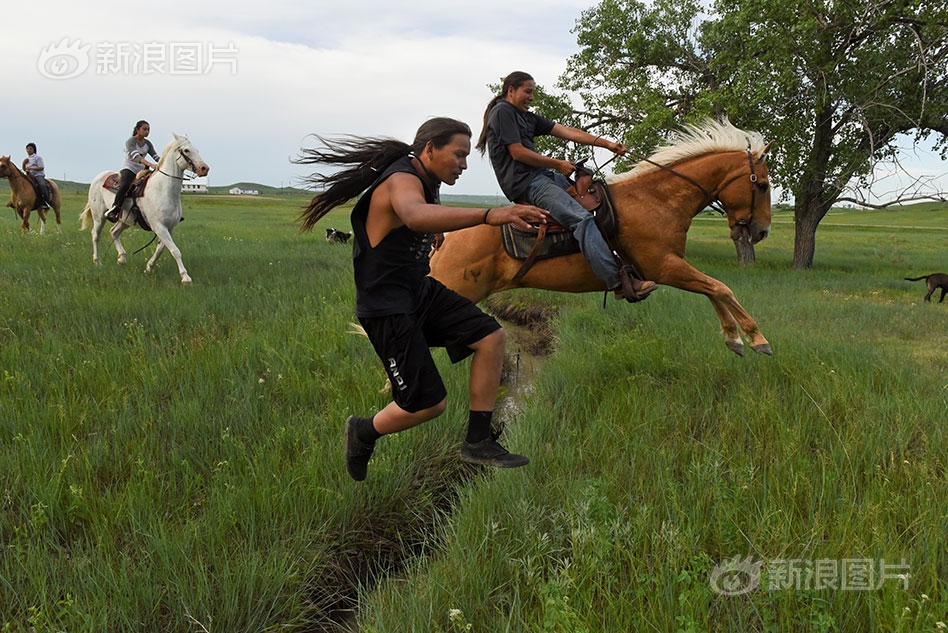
{"x":187,"y":159}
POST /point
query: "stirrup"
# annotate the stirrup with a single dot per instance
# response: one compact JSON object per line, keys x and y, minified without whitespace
{"x":627,"y":289}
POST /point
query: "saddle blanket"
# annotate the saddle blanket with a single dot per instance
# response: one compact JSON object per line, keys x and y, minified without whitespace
{"x":137,"y":190}
{"x":558,"y":241}
{"x":518,"y":243}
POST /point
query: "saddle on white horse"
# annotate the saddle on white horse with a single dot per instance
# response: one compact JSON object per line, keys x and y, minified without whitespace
{"x":137,"y":190}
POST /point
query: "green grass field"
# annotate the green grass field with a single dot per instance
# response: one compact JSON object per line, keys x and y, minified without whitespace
{"x":171,"y":457}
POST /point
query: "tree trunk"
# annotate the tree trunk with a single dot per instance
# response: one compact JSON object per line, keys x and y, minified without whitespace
{"x":814,"y":200}
{"x":745,"y":251}
{"x":807,"y":216}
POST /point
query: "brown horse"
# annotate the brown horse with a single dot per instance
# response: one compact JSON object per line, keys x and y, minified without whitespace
{"x":714,"y":163}
{"x":23,"y":197}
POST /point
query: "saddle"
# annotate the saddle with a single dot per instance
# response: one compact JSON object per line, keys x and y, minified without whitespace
{"x":554,"y":240}
{"x":137,"y":190}
{"x":37,"y":196}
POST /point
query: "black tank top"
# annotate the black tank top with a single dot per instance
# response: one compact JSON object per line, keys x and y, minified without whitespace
{"x":390,"y":277}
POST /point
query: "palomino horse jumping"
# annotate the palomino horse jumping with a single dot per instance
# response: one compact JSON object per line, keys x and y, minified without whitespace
{"x":23,"y":196}
{"x":160,"y":205}
{"x":714,"y":163}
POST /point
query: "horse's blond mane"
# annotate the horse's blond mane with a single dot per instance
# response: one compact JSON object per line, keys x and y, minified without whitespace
{"x":174,"y":144}
{"x":696,"y":140}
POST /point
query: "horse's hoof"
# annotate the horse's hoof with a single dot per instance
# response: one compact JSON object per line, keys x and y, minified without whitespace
{"x":763,"y":349}
{"x":186,"y":281}
{"x":736,"y":346}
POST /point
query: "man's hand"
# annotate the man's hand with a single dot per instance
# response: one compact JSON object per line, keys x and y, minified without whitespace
{"x":565,"y":167}
{"x":521,"y":216}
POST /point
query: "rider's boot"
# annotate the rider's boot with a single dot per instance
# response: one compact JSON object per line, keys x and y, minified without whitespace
{"x":631,"y":288}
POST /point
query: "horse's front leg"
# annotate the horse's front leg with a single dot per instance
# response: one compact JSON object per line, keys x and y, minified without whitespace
{"x":731,"y":313}
{"x":165,"y":241}
{"x":116,"y":233}
{"x":25,"y":217}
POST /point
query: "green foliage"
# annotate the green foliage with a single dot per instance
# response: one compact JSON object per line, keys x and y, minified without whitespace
{"x":170,"y":457}
{"x":832,"y":83}
{"x":657,"y":455}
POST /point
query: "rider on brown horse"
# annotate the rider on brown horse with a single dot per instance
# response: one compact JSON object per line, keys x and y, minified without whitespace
{"x":527,"y":176}
{"x":33,"y":165}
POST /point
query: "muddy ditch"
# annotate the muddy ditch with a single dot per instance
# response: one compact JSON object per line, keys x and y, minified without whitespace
{"x":394,"y":535}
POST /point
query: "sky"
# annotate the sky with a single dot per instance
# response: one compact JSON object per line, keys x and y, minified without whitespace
{"x":251,"y":82}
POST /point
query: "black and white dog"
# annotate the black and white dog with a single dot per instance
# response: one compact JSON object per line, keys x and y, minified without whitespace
{"x":337,"y":237}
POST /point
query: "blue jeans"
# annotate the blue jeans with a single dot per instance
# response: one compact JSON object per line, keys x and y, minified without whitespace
{"x":41,"y":184}
{"x":548,"y":191}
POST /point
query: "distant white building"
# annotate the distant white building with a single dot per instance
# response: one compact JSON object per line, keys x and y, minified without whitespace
{"x":194,"y":187}
{"x":237,"y":191}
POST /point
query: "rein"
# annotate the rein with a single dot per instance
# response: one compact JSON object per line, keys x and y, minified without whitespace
{"x":710,"y":199}
{"x":181,"y":177}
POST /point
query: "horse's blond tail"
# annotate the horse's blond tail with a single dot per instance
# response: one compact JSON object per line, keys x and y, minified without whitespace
{"x":86,"y":216}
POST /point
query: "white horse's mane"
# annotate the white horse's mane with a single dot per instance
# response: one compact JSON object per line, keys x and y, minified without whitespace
{"x":696,"y":140}
{"x":177,"y":140}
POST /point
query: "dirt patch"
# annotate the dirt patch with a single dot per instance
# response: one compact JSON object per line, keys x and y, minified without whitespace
{"x":532,"y":330}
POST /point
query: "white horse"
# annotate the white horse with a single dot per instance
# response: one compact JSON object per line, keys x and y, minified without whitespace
{"x":160,"y":205}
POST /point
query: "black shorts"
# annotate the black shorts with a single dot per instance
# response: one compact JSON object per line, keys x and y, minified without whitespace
{"x":403,"y":341}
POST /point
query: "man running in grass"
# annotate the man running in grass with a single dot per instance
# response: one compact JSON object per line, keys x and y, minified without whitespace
{"x":404,"y":311}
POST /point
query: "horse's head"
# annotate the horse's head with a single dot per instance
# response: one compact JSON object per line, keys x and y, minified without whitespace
{"x":186,"y":155}
{"x":745,"y":197}
{"x":6,"y":167}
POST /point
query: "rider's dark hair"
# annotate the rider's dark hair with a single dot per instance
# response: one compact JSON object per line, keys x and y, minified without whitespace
{"x":29,"y":145}
{"x":366,"y":159}
{"x":138,"y":126}
{"x":514,"y":80}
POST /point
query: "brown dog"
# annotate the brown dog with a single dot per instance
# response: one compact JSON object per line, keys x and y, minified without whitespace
{"x":934,"y":281}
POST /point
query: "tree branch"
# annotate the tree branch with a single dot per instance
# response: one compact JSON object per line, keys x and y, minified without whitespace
{"x":863,"y":203}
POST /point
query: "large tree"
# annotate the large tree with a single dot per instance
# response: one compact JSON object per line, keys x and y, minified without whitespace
{"x":835,"y":83}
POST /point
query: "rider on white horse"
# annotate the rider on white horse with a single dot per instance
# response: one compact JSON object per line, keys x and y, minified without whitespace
{"x":136,"y":148}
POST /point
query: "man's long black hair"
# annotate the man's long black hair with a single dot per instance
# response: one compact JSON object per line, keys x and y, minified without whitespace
{"x":366,"y":159}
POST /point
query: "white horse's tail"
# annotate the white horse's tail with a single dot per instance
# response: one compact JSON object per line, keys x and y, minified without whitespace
{"x":86,"y":216}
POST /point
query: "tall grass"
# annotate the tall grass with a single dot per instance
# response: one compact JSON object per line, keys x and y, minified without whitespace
{"x":170,"y":457}
{"x":658,"y":455}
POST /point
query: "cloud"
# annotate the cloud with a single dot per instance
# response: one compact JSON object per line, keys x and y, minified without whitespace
{"x":370,"y":68}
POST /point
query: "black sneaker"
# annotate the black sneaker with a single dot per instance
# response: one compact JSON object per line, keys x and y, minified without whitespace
{"x":113,"y":215}
{"x":490,"y":453}
{"x":357,"y":451}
